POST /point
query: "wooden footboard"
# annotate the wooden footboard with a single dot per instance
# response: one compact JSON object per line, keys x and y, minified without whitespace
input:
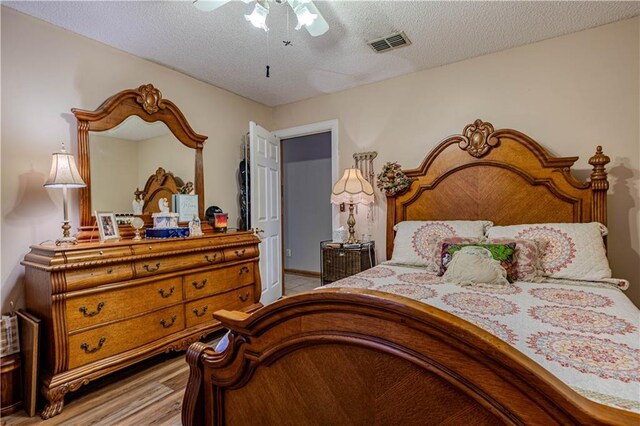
{"x":351,"y":356}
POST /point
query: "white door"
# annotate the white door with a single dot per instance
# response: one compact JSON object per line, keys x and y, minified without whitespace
{"x":265,"y":208}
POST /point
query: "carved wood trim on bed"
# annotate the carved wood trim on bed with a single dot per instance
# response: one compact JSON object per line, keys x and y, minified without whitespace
{"x":354,"y":356}
{"x":499,"y":175}
{"x":161,"y":184}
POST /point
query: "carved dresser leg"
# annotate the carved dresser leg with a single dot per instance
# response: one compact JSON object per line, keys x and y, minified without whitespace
{"x":55,"y":401}
{"x":55,"y":397}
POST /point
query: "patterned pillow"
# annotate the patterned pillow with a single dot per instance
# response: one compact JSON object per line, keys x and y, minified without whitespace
{"x":527,"y":264}
{"x":504,"y":253}
{"x":574,"y":250}
{"x":475,"y":266}
{"x":437,"y":248}
{"x":415,"y":240}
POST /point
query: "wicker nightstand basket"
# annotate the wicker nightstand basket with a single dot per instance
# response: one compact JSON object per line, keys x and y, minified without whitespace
{"x":341,"y":262}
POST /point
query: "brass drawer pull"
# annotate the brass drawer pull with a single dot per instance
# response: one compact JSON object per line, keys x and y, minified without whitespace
{"x":204,"y":311}
{"x":199,"y":286}
{"x":85,"y":346}
{"x":151,"y":268}
{"x":212,"y":258}
{"x":164,"y":323}
{"x":166,"y":294}
{"x":243,"y":270}
{"x":244,"y":298}
{"x":83,"y":309}
{"x":240,"y":253}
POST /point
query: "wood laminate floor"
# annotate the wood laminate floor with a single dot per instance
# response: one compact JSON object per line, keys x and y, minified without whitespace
{"x":149,"y":393}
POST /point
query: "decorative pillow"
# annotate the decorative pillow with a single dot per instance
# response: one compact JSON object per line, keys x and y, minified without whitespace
{"x":475,"y":266}
{"x":503,"y":253}
{"x":437,"y":248}
{"x":574,"y":250}
{"x":527,"y":263}
{"x":415,"y":240}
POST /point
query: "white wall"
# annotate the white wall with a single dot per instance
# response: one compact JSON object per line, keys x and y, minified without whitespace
{"x":167,"y":152}
{"x":113,"y":192}
{"x":307,"y":189}
{"x":46,"y":71}
{"x":570,"y":93}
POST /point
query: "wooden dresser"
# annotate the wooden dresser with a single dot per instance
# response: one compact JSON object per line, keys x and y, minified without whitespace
{"x":105,"y":306}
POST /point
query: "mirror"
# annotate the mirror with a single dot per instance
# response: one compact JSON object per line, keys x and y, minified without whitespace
{"x":108,"y":154}
{"x":135,"y":149}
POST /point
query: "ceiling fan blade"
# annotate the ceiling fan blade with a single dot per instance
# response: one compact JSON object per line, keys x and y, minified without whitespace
{"x":319,"y":25}
{"x":209,"y":5}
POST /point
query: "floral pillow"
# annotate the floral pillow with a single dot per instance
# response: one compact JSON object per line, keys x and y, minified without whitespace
{"x":527,"y":265}
{"x":475,"y":266}
{"x":574,"y":250}
{"x":415,"y":241}
{"x":504,"y":253}
{"x":437,"y":248}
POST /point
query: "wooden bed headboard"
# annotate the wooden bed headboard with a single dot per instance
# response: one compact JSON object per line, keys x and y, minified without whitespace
{"x":499,"y":175}
{"x":161,"y":184}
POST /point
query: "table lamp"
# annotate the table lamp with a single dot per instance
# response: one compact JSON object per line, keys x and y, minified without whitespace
{"x":64,"y":174}
{"x":352,"y":188}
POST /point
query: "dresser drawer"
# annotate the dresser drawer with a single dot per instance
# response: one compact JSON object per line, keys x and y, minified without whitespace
{"x":217,"y":280}
{"x":91,"y":277}
{"x":102,"y":342}
{"x":237,"y":253}
{"x":101,"y":253}
{"x":96,"y":308}
{"x":202,"y":310}
{"x":160,"y":265}
{"x":159,"y":246}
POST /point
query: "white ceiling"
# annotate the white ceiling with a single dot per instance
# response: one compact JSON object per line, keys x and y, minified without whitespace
{"x":223,"y":49}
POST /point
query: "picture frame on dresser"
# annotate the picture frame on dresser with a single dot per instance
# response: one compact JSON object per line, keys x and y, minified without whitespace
{"x":107,"y":226}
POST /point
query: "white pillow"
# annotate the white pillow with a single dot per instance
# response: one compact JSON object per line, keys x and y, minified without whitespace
{"x":475,"y":266}
{"x":415,"y":241}
{"x":574,"y":250}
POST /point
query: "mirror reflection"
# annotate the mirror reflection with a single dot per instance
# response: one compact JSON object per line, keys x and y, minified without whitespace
{"x":123,"y":158}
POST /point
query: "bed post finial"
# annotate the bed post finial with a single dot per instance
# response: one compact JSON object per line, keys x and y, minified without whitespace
{"x":599,"y":186}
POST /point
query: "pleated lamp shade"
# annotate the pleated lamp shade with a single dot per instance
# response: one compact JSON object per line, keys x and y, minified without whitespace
{"x":352,"y":188}
{"x":64,"y":171}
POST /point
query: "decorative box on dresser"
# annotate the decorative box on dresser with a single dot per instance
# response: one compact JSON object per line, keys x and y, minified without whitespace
{"x":105,"y":306}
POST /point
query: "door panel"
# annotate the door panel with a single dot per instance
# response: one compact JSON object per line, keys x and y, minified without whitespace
{"x":265,"y":196}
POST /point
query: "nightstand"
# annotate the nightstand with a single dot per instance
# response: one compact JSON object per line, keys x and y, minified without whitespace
{"x":341,"y":260}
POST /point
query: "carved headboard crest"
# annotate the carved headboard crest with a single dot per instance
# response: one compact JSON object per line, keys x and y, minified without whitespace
{"x":150,"y":98}
{"x":477,"y":138}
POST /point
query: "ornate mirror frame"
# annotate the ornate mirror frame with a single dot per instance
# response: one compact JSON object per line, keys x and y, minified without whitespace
{"x":147,"y":103}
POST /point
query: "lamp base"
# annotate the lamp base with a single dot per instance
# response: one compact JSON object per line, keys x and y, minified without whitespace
{"x":66,"y":241}
{"x":351,"y":223}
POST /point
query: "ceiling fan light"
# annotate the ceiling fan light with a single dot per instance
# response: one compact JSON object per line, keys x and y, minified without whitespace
{"x":209,"y":5}
{"x":319,"y":25}
{"x":305,"y":17}
{"x":258,"y":17}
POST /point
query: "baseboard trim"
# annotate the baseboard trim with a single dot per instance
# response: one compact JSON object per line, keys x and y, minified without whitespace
{"x":303,"y":273}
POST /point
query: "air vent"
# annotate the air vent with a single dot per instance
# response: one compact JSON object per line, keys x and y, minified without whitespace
{"x":390,"y":42}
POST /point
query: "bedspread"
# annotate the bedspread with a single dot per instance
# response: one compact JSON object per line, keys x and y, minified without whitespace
{"x":585,"y":333}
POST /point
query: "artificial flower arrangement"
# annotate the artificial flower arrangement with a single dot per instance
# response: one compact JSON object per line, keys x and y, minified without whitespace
{"x":392,"y":180}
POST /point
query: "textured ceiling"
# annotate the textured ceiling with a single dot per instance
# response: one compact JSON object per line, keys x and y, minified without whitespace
{"x":221,"y":48}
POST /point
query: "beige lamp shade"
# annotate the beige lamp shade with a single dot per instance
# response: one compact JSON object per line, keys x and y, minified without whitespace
{"x":352,"y":188}
{"x":64,"y":172}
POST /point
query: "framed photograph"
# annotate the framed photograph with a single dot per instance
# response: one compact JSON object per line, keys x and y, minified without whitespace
{"x":107,"y":226}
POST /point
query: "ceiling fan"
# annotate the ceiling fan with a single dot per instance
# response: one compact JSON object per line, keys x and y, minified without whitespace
{"x":307,"y":13}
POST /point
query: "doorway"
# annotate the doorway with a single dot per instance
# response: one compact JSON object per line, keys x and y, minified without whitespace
{"x":307,"y":214}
